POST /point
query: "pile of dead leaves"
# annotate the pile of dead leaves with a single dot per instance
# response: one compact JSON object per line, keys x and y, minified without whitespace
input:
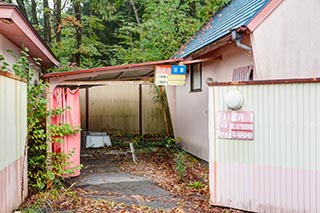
{"x":160,"y":165}
{"x":75,"y":200}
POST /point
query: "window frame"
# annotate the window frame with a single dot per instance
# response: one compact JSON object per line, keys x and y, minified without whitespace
{"x":192,"y":79}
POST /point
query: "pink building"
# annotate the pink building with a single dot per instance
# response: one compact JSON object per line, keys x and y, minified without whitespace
{"x":276,"y":39}
{"x":15,"y":30}
{"x":266,"y":52}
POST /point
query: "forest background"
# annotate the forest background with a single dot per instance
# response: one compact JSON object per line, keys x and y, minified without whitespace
{"x":95,"y":33}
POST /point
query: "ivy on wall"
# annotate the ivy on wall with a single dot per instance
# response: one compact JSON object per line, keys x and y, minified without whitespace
{"x":43,"y":167}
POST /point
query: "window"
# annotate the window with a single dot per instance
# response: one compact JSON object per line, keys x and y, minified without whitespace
{"x":195,"y":76}
{"x":243,"y":73}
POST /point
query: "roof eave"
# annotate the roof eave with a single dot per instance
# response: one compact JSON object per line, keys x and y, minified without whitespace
{"x":209,"y":48}
{"x":263,"y":14}
{"x":128,"y":67}
{"x":249,"y":26}
{"x":11,"y":13}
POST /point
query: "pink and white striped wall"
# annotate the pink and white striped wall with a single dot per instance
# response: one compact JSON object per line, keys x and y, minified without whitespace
{"x":13,"y":133}
{"x":278,"y":171}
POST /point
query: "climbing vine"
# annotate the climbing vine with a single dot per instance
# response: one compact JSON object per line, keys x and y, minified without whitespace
{"x":160,"y":97}
{"x":41,"y":134}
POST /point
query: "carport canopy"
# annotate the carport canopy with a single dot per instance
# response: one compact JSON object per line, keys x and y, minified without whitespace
{"x":142,"y":72}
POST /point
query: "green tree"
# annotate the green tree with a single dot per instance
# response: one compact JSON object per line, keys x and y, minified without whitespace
{"x":111,"y":32}
{"x":165,"y":26}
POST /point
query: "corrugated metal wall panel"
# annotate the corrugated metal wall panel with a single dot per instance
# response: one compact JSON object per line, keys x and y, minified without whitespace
{"x":152,"y":115}
{"x":83,"y":108}
{"x":13,"y":120}
{"x":115,"y":109}
{"x":13,"y":133}
{"x":279,"y":171}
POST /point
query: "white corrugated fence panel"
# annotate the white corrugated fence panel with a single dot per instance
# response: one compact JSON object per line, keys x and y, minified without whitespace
{"x":13,"y":135}
{"x":278,"y":171}
{"x":13,"y":120}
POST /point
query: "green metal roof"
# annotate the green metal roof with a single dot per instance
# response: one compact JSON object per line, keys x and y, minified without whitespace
{"x":236,"y":14}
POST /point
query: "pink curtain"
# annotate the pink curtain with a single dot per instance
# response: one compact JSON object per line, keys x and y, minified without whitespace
{"x":62,"y":98}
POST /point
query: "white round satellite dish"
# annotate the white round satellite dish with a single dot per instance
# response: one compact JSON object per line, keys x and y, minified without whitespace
{"x":233,"y":99}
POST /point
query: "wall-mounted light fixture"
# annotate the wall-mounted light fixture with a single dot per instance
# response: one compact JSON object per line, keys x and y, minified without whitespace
{"x":209,"y":80}
{"x":233,"y":100}
{"x":6,"y":21}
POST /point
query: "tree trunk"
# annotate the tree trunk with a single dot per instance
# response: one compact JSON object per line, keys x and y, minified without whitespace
{"x":22,"y":8}
{"x":46,"y":22}
{"x":35,"y":20}
{"x":77,"y":14}
{"x":57,"y":9}
{"x":135,"y":11}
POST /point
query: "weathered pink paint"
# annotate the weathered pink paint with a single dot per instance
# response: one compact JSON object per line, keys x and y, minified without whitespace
{"x":264,"y":188}
{"x":235,"y":125}
{"x":20,"y":31}
{"x":279,"y":170}
{"x":189,"y":110}
{"x":281,"y":50}
{"x":262,"y":15}
{"x":61,"y":99}
{"x":13,"y":185}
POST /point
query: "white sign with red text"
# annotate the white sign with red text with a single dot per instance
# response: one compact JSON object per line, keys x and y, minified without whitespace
{"x":235,"y":125}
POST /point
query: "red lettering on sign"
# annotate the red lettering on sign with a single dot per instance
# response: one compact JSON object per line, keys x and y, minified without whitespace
{"x":235,"y":125}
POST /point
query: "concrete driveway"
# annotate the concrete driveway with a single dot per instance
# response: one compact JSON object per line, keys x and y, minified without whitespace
{"x":105,"y":178}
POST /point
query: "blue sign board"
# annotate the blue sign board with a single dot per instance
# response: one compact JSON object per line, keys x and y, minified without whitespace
{"x":178,"y":69}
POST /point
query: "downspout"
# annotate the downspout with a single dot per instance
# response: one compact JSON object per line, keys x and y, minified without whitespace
{"x":237,"y":37}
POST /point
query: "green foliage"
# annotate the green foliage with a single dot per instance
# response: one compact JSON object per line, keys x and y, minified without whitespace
{"x":196,"y":185}
{"x":4,"y":66}
{"x":124,"y":31}
{"x":137,"y":139}
{"x":92,"y":50}
{"x":38,"y":137}
{"x":180,"y":164}
{"x":45,"y":200}
{"x":164,"y":28}
{"x":161,"y":98}
{"x":210,"y":7}
{"x":171,"y":142}
{"x":103,"y":7}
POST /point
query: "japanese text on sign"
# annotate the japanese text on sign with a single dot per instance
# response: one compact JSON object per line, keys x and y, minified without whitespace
{"x":174,"y":75}
{"x":235,"y":125}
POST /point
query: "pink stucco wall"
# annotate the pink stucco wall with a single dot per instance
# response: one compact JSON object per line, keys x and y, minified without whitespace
{"x":5,"y":45}
{"x":189,"y":110}
{"x":286,"y":44}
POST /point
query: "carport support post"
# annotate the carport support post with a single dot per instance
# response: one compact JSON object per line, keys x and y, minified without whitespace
{"x":87,"y":109}
{"x":49,"y":93}
{"x":140,"y":109}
